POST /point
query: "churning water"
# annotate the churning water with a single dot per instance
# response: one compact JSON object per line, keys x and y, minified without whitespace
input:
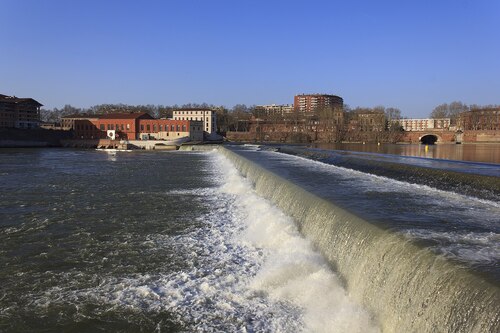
{"x":423,"y":259}
{"x":166,"y":242}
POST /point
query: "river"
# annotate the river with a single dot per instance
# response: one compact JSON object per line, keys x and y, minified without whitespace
{"x":245,"y":239}
{"x":477,"y":152}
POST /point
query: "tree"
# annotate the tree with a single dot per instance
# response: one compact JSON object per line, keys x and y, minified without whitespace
{"x":238,"y":108}
{"x":330,"y":121}
{"x":440,"y":111}
{"x":451,"y":111}
{"x":392,"y":114}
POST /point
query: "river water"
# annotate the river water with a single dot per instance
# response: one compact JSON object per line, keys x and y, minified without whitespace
{"x":182,"y":242}
{"x":168,"y":242}
{"x":479,"y":152}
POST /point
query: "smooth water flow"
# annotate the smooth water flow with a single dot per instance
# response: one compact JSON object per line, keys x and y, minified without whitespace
{"x":407,"y":286}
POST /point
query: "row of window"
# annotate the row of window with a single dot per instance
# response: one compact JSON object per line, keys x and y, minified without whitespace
{"x":172,"y":128}
{"x":8,"y":115}
{"x":147,"y":128}
{"x":191,"y":118}
{"x":118,"y":127}
{"x":190,"y":112}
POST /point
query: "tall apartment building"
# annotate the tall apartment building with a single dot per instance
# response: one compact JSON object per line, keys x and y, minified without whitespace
{"x":18,"y":112}
{"x":207,"y":116}
{"x":311,"y":102}
{"x":423,"y":124}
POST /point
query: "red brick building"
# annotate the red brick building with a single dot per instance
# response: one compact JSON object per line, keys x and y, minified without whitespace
{"x":366,"y":121}
{"x":135,"y":126}
{"x":18,"y":112}
{"x":312,"y":102}
{"x":487,"y":119}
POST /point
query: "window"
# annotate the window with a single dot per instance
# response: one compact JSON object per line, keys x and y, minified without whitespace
{"x":142,"y":127}
{"x":121,"y":127}
{"x":161,"y":127}
{"x":117,"y":127}
{"x":128,"y":126}
{"x":148,"y":127}
{"x":172,"y":128}
{"x":184,"y":128}
{"x":109,"y":126}
{"x":154,"y":127}
{"x":178,"y":128}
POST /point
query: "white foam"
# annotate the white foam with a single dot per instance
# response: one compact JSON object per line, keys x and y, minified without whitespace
{"x":291,"y":270}
{"x":369,"y":182}
{"x":444,"y":206}
{"x":247,"y":269}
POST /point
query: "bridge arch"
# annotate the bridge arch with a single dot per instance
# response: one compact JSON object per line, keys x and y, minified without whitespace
{"x":430,"y":139}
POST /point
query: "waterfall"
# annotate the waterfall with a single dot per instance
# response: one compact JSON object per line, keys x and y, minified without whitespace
{"x":406,"y":286}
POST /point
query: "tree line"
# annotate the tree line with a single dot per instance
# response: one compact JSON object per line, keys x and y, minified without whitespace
{"x":453,"y":109}
{"x":238,"y":117}
{"x":227,"y":119}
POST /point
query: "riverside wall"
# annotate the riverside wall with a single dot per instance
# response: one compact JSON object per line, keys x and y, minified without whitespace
{"x":408,"y":137}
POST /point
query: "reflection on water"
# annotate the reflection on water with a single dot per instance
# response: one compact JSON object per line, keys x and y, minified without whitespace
{"x":488,"y":153}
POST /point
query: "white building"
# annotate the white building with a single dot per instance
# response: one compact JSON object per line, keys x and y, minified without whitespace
{"x":270,"y":109}
{"x":207,"y":116}
{"x":424,"y":124}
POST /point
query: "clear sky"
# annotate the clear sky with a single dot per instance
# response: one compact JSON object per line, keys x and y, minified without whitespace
{"x":412,"y":54}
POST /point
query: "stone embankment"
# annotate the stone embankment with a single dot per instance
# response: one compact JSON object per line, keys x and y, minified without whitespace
{"x":20,"y":138}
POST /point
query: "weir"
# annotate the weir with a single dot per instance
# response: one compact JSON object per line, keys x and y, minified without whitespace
{"x":407,"y":287}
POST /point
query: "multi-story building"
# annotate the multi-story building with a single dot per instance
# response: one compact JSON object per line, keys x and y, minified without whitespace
{"x":423,"y":124}
{"x":18,"y":112}
{"x":479,"y":119}
{"x":68,"y":122}
{"x":312,"y":102}
{"x":136,"y":126}
{"x":274,"y":109}
{"x":368,"y":120}
{"x":207,"y":116}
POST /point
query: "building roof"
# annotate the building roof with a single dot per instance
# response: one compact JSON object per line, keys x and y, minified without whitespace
{"x":80,"y":116}
{"x":126,"y":115}
{"x":319,"y":95}
{"x":14,"y":99}
{"x":193,"y":109}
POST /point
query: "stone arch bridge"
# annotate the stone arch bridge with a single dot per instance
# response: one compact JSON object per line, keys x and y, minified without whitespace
{"x":430,"y":137}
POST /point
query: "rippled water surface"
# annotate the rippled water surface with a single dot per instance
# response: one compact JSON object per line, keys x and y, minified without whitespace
{"x":447,"y":219}
{"x":479,"y":152}
{"x":155,"y":241}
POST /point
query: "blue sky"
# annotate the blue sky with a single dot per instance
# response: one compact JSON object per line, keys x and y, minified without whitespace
{"x":411,"y":54}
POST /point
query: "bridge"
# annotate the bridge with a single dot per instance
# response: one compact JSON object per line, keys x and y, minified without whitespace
{"x":432,"y":137}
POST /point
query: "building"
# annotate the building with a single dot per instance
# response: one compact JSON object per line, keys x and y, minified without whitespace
{"x":367,"y":121}
{"x":68,"y":122}
{"x":135,"y":126}
{"x":274,"y":109}
{"x":207,"y":116}
{"x":310,"y":103}
{"x":18,"y":112}
{"x":479,"y":120}
{"x":423,"y":124}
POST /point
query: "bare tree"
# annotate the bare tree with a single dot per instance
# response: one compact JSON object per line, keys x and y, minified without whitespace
{"x":451,"y":111}
{"x":392,"y":114}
